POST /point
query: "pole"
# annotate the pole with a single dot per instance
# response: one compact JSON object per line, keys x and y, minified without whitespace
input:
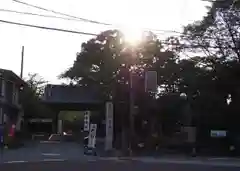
{"x":22,"y":60}
{"x":190,"y":125}
{"x":131,"y":114}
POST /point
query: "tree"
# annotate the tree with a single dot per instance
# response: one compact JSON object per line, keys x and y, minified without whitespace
{"x":107,"y":61}
{"x":36,"y":83}
{"x":218,"y":33}
{"x":101,"y":58}
{"x":30,"y":97}
{"x":217,"y":39}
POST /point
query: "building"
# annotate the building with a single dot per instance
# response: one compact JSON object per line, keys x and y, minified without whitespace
{"x":11,"y":112}
{"x":69,"y":102}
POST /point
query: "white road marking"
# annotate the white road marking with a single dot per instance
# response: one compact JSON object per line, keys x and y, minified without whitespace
{"x":50,"y":154}
{"x":108,"y":158}
{"x":53,"y":160}
{"x":92,"y":160}
{"x":20,"y":161}
{"x":219,"y":158}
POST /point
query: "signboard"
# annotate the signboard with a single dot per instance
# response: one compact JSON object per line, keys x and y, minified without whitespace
{"x":60,"y":125}
{"x":92,"y":136}
{"x":86,"y":120}
{"x":151,"y":81}
{"x":40,"y":120}
{"x":191,"y":133}
{"x":109,"y":126}
{"x":218,"y":133}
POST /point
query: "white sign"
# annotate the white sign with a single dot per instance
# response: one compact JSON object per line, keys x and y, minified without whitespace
{"x":218,"y":133}
{"x":86,"y":121}
{"x":40,"y":120}
{"x":92,"y":136}
{"x":109,"y":126}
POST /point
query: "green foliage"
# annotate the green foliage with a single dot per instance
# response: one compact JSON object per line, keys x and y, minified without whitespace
{"x":210,"y":79}
{"x":30,"y":97}
{"x":36,"y":83}
{"x":217,"y":38}
{"x":101,"y":58}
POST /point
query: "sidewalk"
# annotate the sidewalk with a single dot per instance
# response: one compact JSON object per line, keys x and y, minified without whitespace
{"x":213,"y":161}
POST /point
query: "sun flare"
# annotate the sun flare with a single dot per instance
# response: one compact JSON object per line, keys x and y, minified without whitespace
{"x":132,"y":36}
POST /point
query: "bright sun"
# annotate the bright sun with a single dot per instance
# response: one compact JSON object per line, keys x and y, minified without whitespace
{"x":132,"y":35}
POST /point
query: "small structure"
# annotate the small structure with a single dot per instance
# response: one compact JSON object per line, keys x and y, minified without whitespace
{"x":11,"y":112}
{"x":69,"y":102}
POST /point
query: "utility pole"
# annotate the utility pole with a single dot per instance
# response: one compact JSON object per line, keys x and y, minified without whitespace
{"x":22,"y":60}
{"x":131,"y":113}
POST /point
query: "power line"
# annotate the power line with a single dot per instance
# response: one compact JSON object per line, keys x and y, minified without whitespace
{"x":47,"y":28}
{"x":94,"y":34}
{"x":35,"y":14}
{"x":118,"y":26}
{"x":60,"y":13}
{"x":78,"y":32}
{"x":91,"y":21}
{"x":70,"y":19}
{"x":56,"y":29}
{"x":90,"y":34}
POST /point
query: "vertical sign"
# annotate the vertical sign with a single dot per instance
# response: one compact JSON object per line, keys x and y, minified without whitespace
{"x":1,"y":134}
{"x":92,"y":136}
{"x":86,"y":120}
{"x":1,"y":116}
{"x":109,"y":126}
{"x":60,"y":124}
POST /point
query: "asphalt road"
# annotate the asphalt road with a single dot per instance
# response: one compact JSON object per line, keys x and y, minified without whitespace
{"x":38,"y":151}
{"x":99,"y":165}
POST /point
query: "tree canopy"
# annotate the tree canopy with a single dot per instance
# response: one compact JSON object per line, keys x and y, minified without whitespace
{"x":102,"y":58}
{"x":209,"y":77}
{"x":30,"y":97}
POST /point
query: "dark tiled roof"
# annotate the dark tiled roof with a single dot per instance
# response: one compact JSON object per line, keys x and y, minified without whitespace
{"x":11,"y":76}
{"x":71,"y":94}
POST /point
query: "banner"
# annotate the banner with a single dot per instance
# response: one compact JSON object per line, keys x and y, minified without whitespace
{"x":86,"y":121}
{"x":109,"y":126}
{"x":92,"y":136}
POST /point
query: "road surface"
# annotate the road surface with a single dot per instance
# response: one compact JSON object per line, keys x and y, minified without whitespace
{"x":105,"y":165}
{"x":69,"y":156}
{"x":44,"y":151}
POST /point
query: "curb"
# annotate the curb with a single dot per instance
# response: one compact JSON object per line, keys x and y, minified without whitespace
{"x":188,"y":162}
{"x":36,"y":161}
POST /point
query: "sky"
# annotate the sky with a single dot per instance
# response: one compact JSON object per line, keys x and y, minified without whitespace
{"x":49,"y":53}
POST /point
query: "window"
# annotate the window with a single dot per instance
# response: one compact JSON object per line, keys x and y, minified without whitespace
{"x":14,"y":94}
{"x":1,"y":81}
{"x":2,"y":87}
{"x":1,"y":115}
